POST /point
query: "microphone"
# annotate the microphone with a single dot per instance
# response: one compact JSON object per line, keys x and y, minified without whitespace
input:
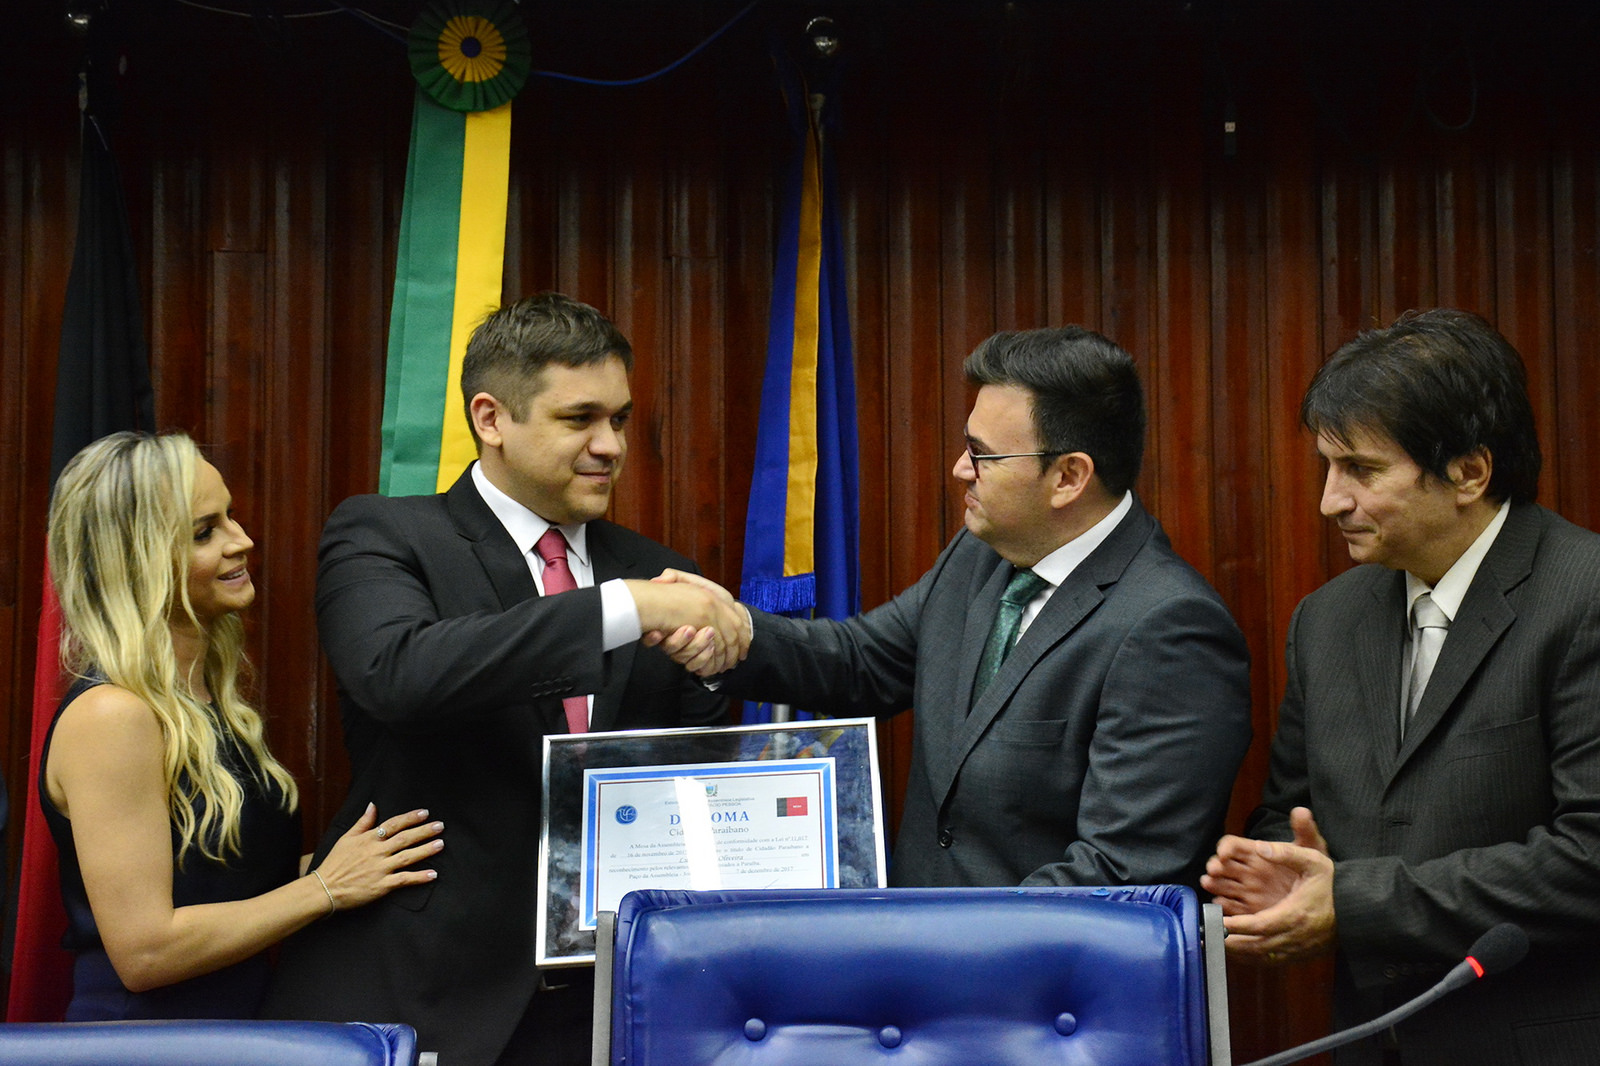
{"x":1499,"y":949}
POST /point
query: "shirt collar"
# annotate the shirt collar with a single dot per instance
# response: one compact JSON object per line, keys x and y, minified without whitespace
{"x":1059,"y":564}
{"x":524,"y":526}
{"x":1452,"y":587}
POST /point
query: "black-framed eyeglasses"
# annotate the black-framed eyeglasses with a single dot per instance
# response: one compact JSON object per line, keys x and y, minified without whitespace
{"x":976,"y":458}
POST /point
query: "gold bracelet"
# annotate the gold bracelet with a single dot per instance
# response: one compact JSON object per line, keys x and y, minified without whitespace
{"x":331,"y":905}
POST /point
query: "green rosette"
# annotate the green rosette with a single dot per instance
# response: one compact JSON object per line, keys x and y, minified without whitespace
{"x":470,"y":55}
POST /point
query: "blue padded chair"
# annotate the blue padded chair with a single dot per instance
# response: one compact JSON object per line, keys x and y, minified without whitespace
{"x":931,"y":977}
{"x":207,"y":1043}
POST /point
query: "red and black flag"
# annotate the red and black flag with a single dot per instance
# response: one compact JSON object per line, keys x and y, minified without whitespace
{"x":102,"y":386}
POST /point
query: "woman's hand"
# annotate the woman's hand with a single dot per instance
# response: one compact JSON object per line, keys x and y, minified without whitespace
{"x":373,"y":858}
{"x":105,"y":773}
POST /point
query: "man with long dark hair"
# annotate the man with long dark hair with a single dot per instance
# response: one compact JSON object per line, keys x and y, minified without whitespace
{"x":1436,"y":769}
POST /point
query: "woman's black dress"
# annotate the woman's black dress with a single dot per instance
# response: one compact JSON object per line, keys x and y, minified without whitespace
{"x":269,"y":855}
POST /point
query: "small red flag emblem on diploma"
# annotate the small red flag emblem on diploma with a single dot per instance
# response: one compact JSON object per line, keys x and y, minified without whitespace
{"x":794,"y":805}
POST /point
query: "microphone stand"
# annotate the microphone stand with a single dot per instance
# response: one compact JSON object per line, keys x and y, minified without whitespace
{"x":1460,"y":976}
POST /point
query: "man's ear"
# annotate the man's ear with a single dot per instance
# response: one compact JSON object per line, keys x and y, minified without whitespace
{"x":486,"y":414}
{"x":1071,"y":475}
{"x":1470,"y":474}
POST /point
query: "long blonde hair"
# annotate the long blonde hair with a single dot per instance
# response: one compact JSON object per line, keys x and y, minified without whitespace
{"x":120,"y":540}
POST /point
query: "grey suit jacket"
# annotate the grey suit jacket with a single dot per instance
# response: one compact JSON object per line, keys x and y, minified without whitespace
{"x":1105,"y":750}
{"x":451,"y":669}
{"x":1489,"y":811}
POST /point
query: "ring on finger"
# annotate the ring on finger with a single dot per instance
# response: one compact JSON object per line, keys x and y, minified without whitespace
{"x":383,"y":833}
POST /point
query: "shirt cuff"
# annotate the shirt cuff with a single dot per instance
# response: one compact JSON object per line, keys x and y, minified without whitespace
{"x":619,"y":615}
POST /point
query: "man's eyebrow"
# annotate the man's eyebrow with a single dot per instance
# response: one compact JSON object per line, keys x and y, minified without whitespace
{"x":974,"y":441}
{"x":587,"y":407}
{"x":1353,"y":456}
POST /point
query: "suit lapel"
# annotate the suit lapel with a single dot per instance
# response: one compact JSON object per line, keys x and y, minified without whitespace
{"x":504,"y":566}
{"x":945,"y":759}
{"x":1485,"y":614}
{"x":985,"y":600}
{"x":496,"y":552}
{"x":1380,"y":649}
{"x":1073,"y":600}
{"x":609,"y":564}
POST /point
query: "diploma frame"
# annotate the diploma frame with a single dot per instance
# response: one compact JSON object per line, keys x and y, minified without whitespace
{"x":851,"y":744}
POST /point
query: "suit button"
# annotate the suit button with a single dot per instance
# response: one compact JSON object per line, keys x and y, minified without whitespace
{"x":946,"y":838}
{"x":1391,"y":972}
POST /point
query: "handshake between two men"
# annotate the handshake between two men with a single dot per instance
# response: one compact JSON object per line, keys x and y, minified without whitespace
{"x":694,"y":620}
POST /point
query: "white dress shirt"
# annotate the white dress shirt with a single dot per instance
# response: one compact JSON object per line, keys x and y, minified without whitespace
{"x":1449,"y":592}
{"x":620,"y":615}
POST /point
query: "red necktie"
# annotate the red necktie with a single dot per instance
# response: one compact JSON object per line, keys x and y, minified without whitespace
{"x":552,"y":548}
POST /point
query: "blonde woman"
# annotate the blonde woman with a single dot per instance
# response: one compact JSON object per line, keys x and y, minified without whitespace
{"x":177,"y":829}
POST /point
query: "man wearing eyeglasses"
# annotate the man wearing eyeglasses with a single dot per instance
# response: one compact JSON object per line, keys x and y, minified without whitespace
{"x":1082,"y":695}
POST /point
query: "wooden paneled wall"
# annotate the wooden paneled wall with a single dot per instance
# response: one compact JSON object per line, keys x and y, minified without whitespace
{"x":1004,"y":165}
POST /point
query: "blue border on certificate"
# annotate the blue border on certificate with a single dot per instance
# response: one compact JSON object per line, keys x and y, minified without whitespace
{"x":598,"y":779}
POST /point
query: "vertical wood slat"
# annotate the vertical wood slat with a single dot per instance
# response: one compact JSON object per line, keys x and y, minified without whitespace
{"x":692,"y":365}
{"x":1577,"y":321}
{"x":1179,"y":354}
{"x":1523,"y":299}
{"x":1008,"y":167}
{"x":295,"y":352}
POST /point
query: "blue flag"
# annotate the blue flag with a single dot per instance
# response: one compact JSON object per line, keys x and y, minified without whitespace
{"x":802,"y":532}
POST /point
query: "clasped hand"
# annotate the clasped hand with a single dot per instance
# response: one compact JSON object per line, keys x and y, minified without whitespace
{"x":695,"y":621}
{"x":1276,"y":897}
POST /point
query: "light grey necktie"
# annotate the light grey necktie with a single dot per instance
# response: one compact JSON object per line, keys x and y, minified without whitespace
{"x":1430,"y":626}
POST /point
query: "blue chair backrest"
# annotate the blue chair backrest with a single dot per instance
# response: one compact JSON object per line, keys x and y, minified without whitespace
{"x":936,"y":977}
{"x":207,"y":1043}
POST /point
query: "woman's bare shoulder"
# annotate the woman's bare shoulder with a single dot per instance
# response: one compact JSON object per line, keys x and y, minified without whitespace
{"x":107,"y":719}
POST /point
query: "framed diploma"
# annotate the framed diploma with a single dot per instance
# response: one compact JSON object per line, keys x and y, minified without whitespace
{"x":790,"y":805}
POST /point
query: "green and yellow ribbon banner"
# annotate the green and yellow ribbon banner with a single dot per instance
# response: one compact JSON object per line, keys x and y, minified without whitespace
{"x":470,"y":58}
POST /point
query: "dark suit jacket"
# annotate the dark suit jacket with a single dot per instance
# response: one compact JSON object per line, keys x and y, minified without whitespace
{"x":451,"y":669}
{"x":1105,"y":750}
{"x":1488,"y":812}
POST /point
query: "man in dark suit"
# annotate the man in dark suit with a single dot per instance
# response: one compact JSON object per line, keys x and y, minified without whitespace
{"x":455,"y":655}
{"x":1099,"y":747}
{"x":1426,"y":786}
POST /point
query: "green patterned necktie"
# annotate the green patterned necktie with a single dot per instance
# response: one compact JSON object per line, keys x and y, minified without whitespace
{"x":1020,"y":591}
